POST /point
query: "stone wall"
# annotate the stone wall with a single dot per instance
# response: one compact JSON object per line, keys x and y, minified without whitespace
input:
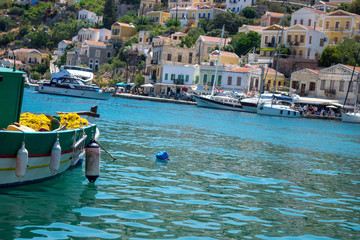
{"x":289,"y":65}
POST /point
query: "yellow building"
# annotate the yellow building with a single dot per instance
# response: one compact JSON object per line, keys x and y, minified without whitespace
{"x":340,"y":25}
{"x":219,"y":4}
{"x":204,"y":45}
{"x":122,"y":31}
{"x":270,"y":78}
{"x":187,"y":3}
{"x":30,"y":57}
{"x":158,"y":17}
{"x":270,"y":38}
{"x":226,"y":58}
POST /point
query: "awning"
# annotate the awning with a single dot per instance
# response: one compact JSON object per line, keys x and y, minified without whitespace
{"x":147,"y":85}
{"x":121,"y":84}
{"x":174,"y":85}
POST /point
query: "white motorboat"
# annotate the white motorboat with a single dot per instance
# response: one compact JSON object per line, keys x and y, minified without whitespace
{"x":72,"y":86}
{"x":351,"y":117}
{"x":280,"y":109}
{"x":251,"y":104}
{"x":219,"y":102}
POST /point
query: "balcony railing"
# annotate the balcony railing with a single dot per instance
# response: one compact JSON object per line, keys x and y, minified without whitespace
{"x":179,"y":81}
{"x":338,"y":29}
{"x":154,"y":61}
{"x":271,"y":44}
{"x":294,"y":43}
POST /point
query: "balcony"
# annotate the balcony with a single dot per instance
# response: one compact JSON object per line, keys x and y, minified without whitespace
{"x":338,"y":29}
{"x":179,"y":81}
{"x":294,"y":43}
{"x":271,"y":44}
{"x":357,"y":32}
{"x":154,"y":61}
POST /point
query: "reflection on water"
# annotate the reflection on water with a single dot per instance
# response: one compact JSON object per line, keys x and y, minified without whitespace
{"x":231,"y":176}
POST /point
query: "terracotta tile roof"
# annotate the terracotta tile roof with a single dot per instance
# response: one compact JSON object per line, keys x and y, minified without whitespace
{"x":214,"y":39}
{"x":275,"y":14}
{"x":341,"y":13}
{"x":317,"y":11}
{"x":91,"y":29}
{"x":25,"y":50}
{"x":316,"y":71}
{"x":122,"y":24}
{"x":357,"y":69}
{"x":67,"y":41}
{"x":223,"y":53}
{"x":255,"y":27}
{"x":241,"y":69}
{"x":16,"y":61}
{"x":93,"y":43}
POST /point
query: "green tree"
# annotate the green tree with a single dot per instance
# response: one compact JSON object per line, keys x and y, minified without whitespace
{"x":139,"y":80}
{"x":126,"y":19}
{"x":38,"y":39}
{"x":6,"y":24}
{"x":231,"y":20}
{"x":142,"y":23}
{"x":354,"y":7}
{"x":109,"y":13}
{"x":347,"y":51}
{"x":329,"y":56}
{"x":191,"y":37}
{"x":35,"y":75}
{"x":173,"y":22}
{"x":241,"y":43}
{"x":249,"y":12}
{"x":284,"y":51}
{"x":5,"y":4}
{"x":217,"y":33}
{"x":343,"y":6}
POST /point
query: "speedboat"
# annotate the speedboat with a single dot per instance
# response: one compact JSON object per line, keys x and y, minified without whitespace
{"x":72,"y":86}
{"x":251,"y":104}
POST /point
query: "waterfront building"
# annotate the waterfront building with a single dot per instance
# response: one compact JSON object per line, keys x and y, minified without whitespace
{"x":236,"y":79}
{"x":187,"y":3}
{"x":158,"y":17}
{"x":308,"y":17}
{"x":238,"y":6}
{"x":331,"y":82}
{"x":248,"y":28}
{"x":340,"y":25}
{"x":269,"y":79}
{"x":305,"y":42}
{"x":167,"y":55}
{"x":304,"y":81}
{"x":204,"y":45}
{"x":62,"y":47}
{"x":122,"y":31}
{"x":271,"y":18}
{"x":325,"y":6}
{"x":91,"y":34}
{"x":30,"y":57}
{"x":226,"y":58}
{"x":91,"y":54}
{"x":219,"y":4}
{"x":270,"y":38}
{"x":88,"y":16}
{"x":9,"y":63}
{"x":206,"y":77}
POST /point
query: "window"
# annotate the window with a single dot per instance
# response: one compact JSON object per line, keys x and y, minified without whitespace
{"x":205,"y":79}
{"x":209,"y":49}
{"x":219,"y":79}
{"x":322,"y":86}
{"x":140,"y":40}
{"x":341,"y":87}
{"x":172,"y":76}
{"x":187,"y":78}
{"x":295,"y":22}
{"x":302,"y":37}
{"x":91,"y":63}
{"x":327,"y":24}
{"x":166,"y":76}
{"x":209,"y":15}
{"x":169,"y":57}
{"x":347,"y":25}
{"x":266,"y":39}
{"x":212,"y":79}
{"x":97,"y":53}
{"x":335,"y":40}
{"x":204,"y":15}
{"x":238,"y":81}
{"x":301,"y":21}
{"x":229,"y":81}
{"x":308,"y":53}
{"x":337,"y":26}
{"x":312,"y":86}
{"x":309,"y":23}
{"x":190,"y":57}
{"x":179,"y":58}
{"x":310,"y":38}
{"x":289,"y":38}
{"x":108,"y":54}
{"x":321,"y":42}
{"x":300,"y":53}
{"x":199,"y":15}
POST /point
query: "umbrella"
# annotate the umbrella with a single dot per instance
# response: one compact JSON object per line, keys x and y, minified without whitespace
{"x":121,"y":84}
{"x":331,"y":106}
{"x":147,"y":85}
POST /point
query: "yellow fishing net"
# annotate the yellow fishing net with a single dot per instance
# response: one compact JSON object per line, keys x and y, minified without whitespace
{"x":70,"y":120}
{"x":35,"y":121}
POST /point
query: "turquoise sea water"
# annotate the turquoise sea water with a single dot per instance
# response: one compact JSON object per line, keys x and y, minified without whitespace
{"x":232,"y":175}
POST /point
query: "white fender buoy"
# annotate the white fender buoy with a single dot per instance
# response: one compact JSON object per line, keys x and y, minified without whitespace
{"x":55,"y":157}
{"x":22,"y":158}
{"x":92,"y":161}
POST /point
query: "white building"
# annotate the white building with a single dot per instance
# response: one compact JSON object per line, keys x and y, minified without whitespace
{"x":62,"y":47}
{"x":235,"y":79}
{"x":183,"y":75}
{"x":307,"y":17}
{"x":238,"y":5}
{"x":305,"y":42}
{"x":88,"y":16}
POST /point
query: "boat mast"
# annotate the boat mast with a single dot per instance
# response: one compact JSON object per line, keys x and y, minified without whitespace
{"x":217,"y":62}
{"x":250,"y":72}
{"x":352,"y":75}
{"x":278,"y":55}
{"x":356,"y":93}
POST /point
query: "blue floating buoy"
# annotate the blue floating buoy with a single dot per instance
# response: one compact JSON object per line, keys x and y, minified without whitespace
{"x":162,"y":156}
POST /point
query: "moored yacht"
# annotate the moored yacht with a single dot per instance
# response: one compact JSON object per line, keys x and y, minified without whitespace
{"x":72,"y":86}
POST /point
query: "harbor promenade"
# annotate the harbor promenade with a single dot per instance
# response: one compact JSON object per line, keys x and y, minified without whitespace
{"x":155,"y":99}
